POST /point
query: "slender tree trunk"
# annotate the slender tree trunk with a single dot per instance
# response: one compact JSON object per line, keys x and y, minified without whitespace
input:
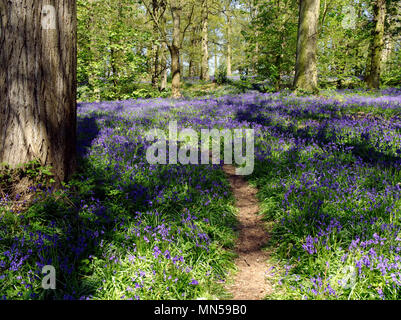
{"x":306,"y":62}
{"x":254,"y":61}
{"x":205,"y":52}
{"x":156,"y":47}
{"x":229,"y":46}
{"x":174,"y":48}
{"x":255,"y":58}
{"x":175,"y":70}
{"x":113,"y":67}
{"x":38,"y":84}
{"x":156,"y":66}
{"x":377,"y":45}
{"x":92,"y":53}
{"x":191,"y":54}
{"x":163,"y":80}
{"x":191,"y":67}
{"x":216,"y":62}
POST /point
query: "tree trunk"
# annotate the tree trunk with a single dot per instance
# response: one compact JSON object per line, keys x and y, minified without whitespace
{"x":205,"y":52}
{"x":181,"y":64}
{"x":92,"y":53}
{"x":377,"y":45}
{"x":175,"y":72}
{"x":194,"y":55}
{"x":174,"y":48}
{"x":113,"y":66}
{"x":388,"y":48}
{"x":38,"y":84}
{"x":306,"y":68}
{"x":216,"y":62}
{"x":229,"y":46}
{"x":163,"y":80}
{"x":191,"y":68}
{"x":156,"y":47}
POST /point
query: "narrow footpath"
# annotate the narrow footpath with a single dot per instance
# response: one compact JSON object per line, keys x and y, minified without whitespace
{"x":252,"y":262}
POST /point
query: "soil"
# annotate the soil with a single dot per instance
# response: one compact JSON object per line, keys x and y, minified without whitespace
{"x":250,"y":283}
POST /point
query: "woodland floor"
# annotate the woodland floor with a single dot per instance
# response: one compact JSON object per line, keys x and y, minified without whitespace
{"x":250,"y":282}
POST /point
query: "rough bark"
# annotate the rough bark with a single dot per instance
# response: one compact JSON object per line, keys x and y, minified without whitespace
{"x":38,"y":84}
{"x":377,"y":45}
{"x":205,"y":51}
{"x":306,"y":62}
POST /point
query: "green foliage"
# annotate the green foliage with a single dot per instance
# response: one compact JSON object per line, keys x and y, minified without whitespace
{"x":110,"y":58}
{"x":221,"y":77}
{"x":33,"y":170}
{"x":272,"y":40}
{"x":149,"y":92}
{"x":344,"y":42}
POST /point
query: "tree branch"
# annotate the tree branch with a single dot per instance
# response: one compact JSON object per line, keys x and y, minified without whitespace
{"x":187,"y":26}
{"x":156,"y":21}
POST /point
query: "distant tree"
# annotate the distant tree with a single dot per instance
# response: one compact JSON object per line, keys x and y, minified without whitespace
{"x":174,"y":44}
{"x":38,"y":84}
{"x":158,"y":8}
{"x":272,"y":37}
{"x":115,"y":48}
{"x":228,"y":13}
{"x":205,"y":49}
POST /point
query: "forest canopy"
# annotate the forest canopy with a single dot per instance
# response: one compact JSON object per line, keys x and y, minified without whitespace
{"x":124,"y":44}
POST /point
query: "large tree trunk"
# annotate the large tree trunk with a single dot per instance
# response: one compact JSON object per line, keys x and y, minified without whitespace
{"x":205,"y":52}
{"x":174,"y":48}
{"x":377,"y":45}
{"x":229,"y":46}
{"x":181,"y":64}
{"x":38,"y":84}
{"x":306,"y":68}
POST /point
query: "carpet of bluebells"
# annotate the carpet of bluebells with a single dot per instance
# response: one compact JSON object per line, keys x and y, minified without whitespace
{"x":328,"y":170}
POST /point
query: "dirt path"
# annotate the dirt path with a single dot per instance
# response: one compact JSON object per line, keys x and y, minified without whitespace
{"x":252,"y":262}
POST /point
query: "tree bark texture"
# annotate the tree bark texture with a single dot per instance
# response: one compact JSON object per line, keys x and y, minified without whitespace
{"x":38,"y":83}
